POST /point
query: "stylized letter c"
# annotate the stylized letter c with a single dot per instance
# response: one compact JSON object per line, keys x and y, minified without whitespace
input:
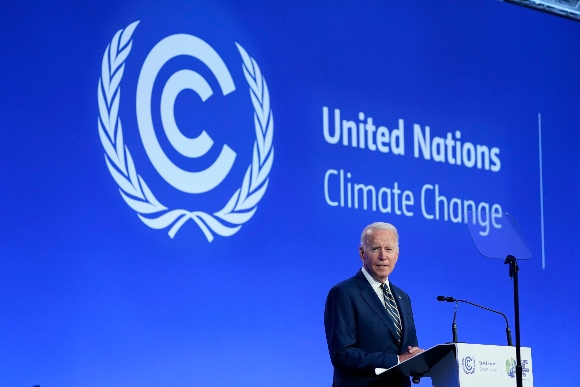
{"x":166,"y":49}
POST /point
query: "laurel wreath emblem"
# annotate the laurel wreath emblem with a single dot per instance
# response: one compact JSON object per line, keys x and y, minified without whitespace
{"x":243,"y":203}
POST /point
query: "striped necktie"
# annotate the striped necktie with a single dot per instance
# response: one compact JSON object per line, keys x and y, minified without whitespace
{"x":391,"y":307}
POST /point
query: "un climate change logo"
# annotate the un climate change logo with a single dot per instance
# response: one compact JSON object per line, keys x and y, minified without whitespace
{"x":243,"y":203}
{"x":468,"y":364}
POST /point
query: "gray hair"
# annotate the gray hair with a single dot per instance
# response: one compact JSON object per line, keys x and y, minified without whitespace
{"x":367,"y":232}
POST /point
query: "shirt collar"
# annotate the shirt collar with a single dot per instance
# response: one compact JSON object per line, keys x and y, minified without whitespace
{"x":374,"y":283}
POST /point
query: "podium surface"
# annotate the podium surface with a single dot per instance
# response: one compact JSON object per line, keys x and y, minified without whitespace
{"x":467,"y":365}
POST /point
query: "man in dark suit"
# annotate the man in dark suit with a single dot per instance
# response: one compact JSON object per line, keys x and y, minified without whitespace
{"x":368,"y":320}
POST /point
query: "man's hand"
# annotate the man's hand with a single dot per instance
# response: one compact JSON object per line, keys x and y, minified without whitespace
{"x":411,"y":351}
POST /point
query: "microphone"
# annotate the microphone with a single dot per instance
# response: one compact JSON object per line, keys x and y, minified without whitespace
{"x":454,"y":326}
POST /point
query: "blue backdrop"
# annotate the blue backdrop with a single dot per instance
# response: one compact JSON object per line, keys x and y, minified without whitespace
{"x":342,"y":114}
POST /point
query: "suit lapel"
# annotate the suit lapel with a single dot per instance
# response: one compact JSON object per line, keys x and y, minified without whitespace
{"x":403,"y":310}
{"x":369,"y":295}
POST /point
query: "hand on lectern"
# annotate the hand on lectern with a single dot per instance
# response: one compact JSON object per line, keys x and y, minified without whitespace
{"x":411,"y":351}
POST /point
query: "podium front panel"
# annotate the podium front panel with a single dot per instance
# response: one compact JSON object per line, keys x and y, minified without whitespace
{"x":490,"y":365}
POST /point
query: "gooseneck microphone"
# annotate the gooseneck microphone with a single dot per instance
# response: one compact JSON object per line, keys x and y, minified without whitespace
{"x":454,"y":326}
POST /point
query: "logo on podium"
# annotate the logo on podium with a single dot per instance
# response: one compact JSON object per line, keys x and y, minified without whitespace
{"x":468,"y":364}
{"x":510,"y":367}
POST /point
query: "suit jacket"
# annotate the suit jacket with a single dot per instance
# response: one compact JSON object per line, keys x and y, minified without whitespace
{"x":360,"y":335}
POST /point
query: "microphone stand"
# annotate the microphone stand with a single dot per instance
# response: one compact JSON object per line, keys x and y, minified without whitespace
{"x":454,"y":326}
{"x":513,"y":271}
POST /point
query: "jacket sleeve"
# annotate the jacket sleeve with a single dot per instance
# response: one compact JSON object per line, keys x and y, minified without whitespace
{"x":414,"y":342}
{"x":343,"y":343}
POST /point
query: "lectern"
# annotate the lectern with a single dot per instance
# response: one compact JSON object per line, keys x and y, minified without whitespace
{"x":466,"y":365}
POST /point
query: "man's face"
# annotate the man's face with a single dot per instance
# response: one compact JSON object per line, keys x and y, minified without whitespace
{"x":380,"y":254}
